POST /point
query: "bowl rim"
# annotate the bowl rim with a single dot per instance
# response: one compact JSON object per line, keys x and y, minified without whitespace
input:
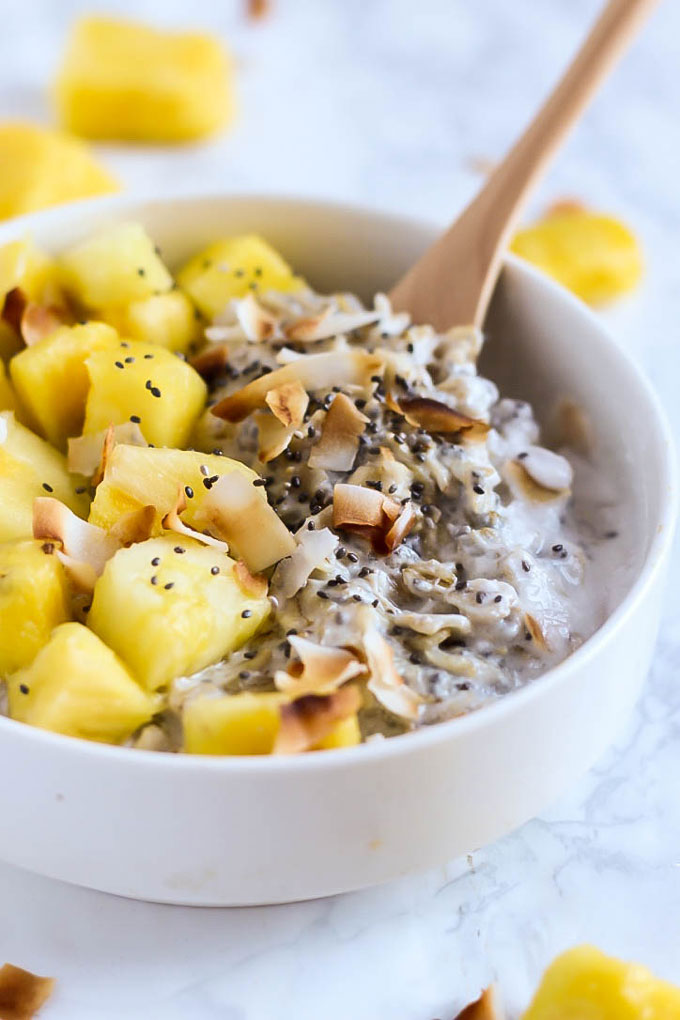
{"x":437,"y":733}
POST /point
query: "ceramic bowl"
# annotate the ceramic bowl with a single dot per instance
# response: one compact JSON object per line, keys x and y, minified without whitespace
{"x":251,"y":830}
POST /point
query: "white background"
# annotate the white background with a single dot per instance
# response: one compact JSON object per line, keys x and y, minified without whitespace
{"x":392,"y":103}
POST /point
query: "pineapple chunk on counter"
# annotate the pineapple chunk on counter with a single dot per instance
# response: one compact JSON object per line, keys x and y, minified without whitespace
{"x":42,"y":167}
{"x":30,"y":467}
{"x":51,"y":379}
{"x":118,"y":265}
{"x":125,"y":80}
{"x":34,"y":598}
{"x":231,"y":269}
{"x":248,"y":723}
{"x":168,"y":320}
{"x":137,"y":476}
{"x":171,"y":606}
{"x":77,"y":686}
{"x":584,"y":984}
{"x":145,"y":382}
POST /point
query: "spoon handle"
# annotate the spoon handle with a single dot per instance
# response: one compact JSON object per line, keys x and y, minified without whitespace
{"x":452,"y":283}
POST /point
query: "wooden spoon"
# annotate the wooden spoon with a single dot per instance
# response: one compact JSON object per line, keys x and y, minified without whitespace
{"x":451,"y":284}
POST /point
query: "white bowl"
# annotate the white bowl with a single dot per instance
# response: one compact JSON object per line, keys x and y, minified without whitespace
{"x":251,"y":830}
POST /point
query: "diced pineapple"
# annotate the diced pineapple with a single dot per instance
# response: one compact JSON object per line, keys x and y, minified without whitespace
{"x":128,"y":81}
{"x":30,"y":467}
{"x":168,"y":320}
{"x":51,"y":379}
{"x":584,"y":984}
{"x":8,"y":400}
{"x":248,"y":723}
{"x":42,"y":167}
{"x":116,"y":266}
{"x":231,"y":268}
{"x":595,"y":256}
{"x":25,"y":267}
{"x":138,"y":380}
{"x":137,"y":476}
{"x":33,"y":599}
{"x":169,"y":613}
{"x":77,"y":686}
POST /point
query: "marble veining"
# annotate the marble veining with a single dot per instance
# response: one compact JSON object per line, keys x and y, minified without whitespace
{"x":391,"y":104}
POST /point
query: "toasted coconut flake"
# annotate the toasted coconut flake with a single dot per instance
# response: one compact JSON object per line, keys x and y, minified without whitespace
{"x":22,"y":993}
{"x":536,"y":631}
{"x":13,"y":308}
{"x":173,"y":522}
{"x":272,"y":437}
{"x":401,"y":527}
{"x":86,"y":453}
{"x":547,"y":469}
{"x":306,"y":721}
{"x":135,"y":526}
{"x":211,"y":361}
{"x":39,"y":321}
{"x":337,"y":448}
{"x":82,"y":576}
{"x":385,"y":683}
{"x":81,"y":541}
{"x":329,"y":323}
{"x":236,"y":509}
{"x":524,"y":487}
{"x":370,"y":514}
{"x":435,"y":416}
{"x":483,"y":1008}
{"x":253,"y":585}
{"x":256,"y":323}
{"x":321,"y":670}
{"x":314,"y":549}
{"x":313,"y":371}
{"x":288,"y":402}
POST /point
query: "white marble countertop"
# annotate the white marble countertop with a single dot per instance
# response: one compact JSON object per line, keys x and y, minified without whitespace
{"x":389,"y":102}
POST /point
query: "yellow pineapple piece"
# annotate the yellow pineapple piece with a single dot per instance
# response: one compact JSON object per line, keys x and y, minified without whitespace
{"x":30,"y":467}
{"x":51,"y":379}
{"x":118,"y":265}
{"x":137,"y":476}
{"x":77,"y":686}
{"x":345,"y":733}
{"x":232,"y":268}
{"x":8,"y":401}
{"x":34,"y":598}
{"x":168,"y":613}
{"x":584,"y":984}
{"x":146,"y":382}
{"x":595,"y":256}
{"x":128,"y":81}
{"x":42,"y":167}
{"x":168,"y":320}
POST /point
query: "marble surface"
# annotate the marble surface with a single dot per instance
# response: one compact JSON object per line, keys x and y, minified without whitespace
{"x":392,"y":104}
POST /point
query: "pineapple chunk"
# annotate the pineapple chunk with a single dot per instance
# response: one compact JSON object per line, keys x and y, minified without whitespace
{"x":29,"y":467}
{"x":137,"y":476}
{"x":148,"y":382}
{"x":595,"y":256}
{"x":116,"y":266}
{"x":77,"y":686}
{"x":169,"y":613}
{"x":248,"y":723}
{"x":584,"y":984}
{"x":168,"y":320}
{"x":128,"y":81}
{"x":25,"y":267}
{"x":41,"y":167}
{"x":33,"y":599}
{"x":8,"y":401}
{"x":231,"y":269}
{"x":51,"y":379}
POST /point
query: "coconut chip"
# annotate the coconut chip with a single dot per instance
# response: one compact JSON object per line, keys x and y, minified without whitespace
{"x":135,"y":526}
{"x":523,"y":486}
{"x":483,"y":1008}
{"x":328,"y":324}
{"x":252,"y":585}
{"x":314,"y":549}
{"x":534,"y":628}
{"x":321,"y":670}
{"x":385,"y":683}
{"x":81,"y":543}
{"x":372,"y":515}
{"x":39,"y":321}
{"x":13,"y":308}
{"x":288,"y":402}
{"x":211,"y":361}
{"x":240,"y":515}
{"x":88,"y":455}
{"x":306,"y":721}
{"x":313,"y":371}
{"x":173,"y":522}
{"x":337,"y":448}
{"x":272,"y":437}
{"x":435,"y":416}
{"x":256,"y":323}
{"x":22,"y":993}
{"x":549,"y":470}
